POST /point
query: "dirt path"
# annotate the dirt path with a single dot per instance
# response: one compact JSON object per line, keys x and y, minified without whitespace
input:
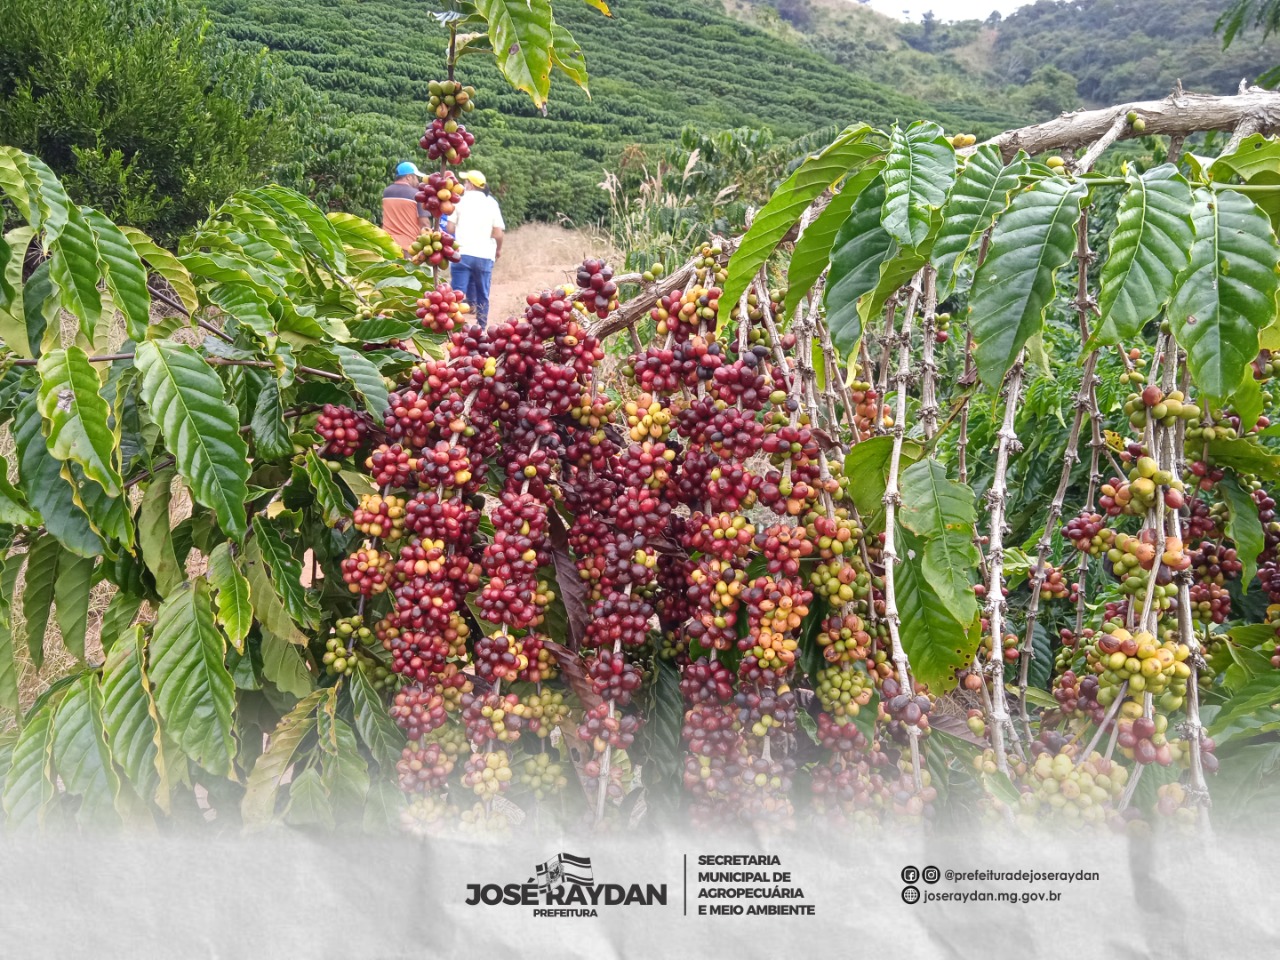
{"x":536,"y":256}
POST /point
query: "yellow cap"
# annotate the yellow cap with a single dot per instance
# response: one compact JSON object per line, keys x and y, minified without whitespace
{"x":476,"y":177}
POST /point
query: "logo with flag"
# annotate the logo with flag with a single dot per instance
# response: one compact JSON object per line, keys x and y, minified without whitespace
{"x":564,"y":868}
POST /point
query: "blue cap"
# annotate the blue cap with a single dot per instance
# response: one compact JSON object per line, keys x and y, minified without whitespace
{"x":406,"y":168}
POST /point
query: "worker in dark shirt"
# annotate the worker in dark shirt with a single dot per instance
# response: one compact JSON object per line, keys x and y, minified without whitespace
{"x":402,"y":216}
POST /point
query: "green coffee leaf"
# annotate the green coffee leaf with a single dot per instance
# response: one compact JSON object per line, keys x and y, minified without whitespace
{"x":155,"y":534}
{"x":286,"y":573}
{"x":73,"y":267}
{"x":166,"y":266}
{"x":918,"y":173}
{"x":333,"y":507}
{"x":283,"y":665}
{"x":861,"y":246}
{"x":37,"y":596}
{"x":194,"y":693}
{"x":935,"y":642}
{"x":123,"y":271}
{"x":1147,"y":250}
{"x":80,"y":754}
{"x":1015,"y":284}
{"x":867,"y":467}
{"x":356,"y":233}
{"x":263,"y":785}
{"x":309,"y":804}
{"x":815,"y":175}
{"x":13,"y":292}
{"x":367,"y":378}
{"x":812,"y":251}
{"x":266,"y":602}
{"x":1244,"y":527}
{"x":235,"y":612}
{"x":343,"y":771}
{"x":10,"y":566}
{"x":13,"y":502}
{"x":130,"y":715}
{"x":567,"y":57}
{"x":29,"y":789}
{"x":1227,"y":293}
{"x":76,"y":416}
{"x":980,"y":193}
{"x":521,"y":36}
{"x":379,"y":732}
{"x":942,"y":514}
{"x":71,"y":592}
{"x":271,"y":439}
{"x":187,"y":399}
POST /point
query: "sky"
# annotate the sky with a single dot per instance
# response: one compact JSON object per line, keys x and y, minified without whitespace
{"x":945,"y":9}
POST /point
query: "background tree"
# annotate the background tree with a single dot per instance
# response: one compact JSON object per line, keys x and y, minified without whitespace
{"x":141,"y":109}
{"x":1244,"y":14}
{"x":1050,"y":91}
{"x":1248,"y":13}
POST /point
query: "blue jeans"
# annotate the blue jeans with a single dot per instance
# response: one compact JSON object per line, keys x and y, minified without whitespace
{"x":472,"y":275}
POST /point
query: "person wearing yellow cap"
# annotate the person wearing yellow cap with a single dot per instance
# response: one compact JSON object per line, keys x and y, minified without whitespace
{"x":477,"y":227}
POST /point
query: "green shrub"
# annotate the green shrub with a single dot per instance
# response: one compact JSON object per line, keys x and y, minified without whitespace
{"x":142,"y":111}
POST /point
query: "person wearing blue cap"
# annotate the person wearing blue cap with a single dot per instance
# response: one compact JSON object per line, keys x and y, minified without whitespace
{"x":402,"y":216}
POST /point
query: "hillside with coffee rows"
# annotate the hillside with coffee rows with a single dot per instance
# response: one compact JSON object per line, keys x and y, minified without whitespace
{"x":655,"y":67}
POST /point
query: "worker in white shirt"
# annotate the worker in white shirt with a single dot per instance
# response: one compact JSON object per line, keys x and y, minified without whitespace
{"x":477,"y":227}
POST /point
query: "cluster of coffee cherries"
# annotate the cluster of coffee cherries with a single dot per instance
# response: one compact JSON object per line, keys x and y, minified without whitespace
{"x":434,"y":248}
{"x":714,"y":405}
{"x":703,"y":520}
{"x":447,"y":140}
{"x":487,"y":774}
{"x":870,"y":413}
{"x":1056,"y":585}
{"x":595,"y":278}
{"x":449,"y":98}
{"x":677,"y":477}
{"x":1089,"y":533}
{"x":1152,"y":405}
{"x":1139,"y":663}
{"x":345,"y":647}
{"x":859,"y":789}
{"x":343,"y":430}
{"x":440,"y":193}
{"x":1119,"y":682}
{"x":1269,"y":560}
{"x":1226,"y":427}
{"x":617,"y":512}
{"x":1131,"y":559}
{"x":472,"y":700}
{"x":1072,"y":791}
{"x":1146,"y":482}
{"x":942,"y":328}
{"x":443,"y":309}
{"x":367,"y":570}
{"x":1009,"y":647}
{"x":542,"y":776}
{"x":840,"y":575}
{"x":380,"y":517}
{"x":509,"y":421}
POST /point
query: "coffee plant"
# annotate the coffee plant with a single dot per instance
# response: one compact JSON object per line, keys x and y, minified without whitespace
{"x":232,"y":376}
{"x":823,"y":548}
